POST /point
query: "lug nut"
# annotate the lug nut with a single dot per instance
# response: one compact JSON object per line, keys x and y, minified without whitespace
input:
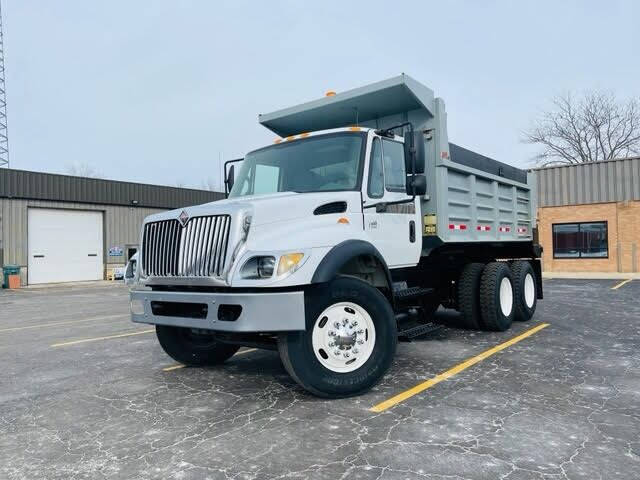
{"x":354,"y":324}
{"x":355,"y":350}
{"x":346,"y":355}
{"x":337,"y":353}
{"x":336,"y":324}
{"x":331,"y":333}
{"x":345,"y":322}
{"x":361,"y":331}
{"x":360,"y":342}
{"x":332,"y":344}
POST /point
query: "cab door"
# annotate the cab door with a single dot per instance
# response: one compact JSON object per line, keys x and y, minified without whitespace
{"x":394,"y":229}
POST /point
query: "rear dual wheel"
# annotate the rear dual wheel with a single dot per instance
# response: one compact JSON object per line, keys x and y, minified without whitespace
{"x":525,"y":290}
{"x":497,"y":297}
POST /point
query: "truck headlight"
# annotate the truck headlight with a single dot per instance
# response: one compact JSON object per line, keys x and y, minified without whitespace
{"x":289,"y":262}
{"x":258,"y":267}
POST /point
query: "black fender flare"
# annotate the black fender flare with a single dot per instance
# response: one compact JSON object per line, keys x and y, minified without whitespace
{"x":339,"y":255}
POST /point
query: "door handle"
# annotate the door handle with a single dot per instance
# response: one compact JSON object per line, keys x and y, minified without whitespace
{"x":412,"y":231}
{"x":38,"y":256}
{"x":92,"y":255}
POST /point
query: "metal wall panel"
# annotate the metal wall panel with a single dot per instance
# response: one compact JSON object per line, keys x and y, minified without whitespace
{"x":47,"y":186}
{"x":122,"y":226}
{"x":599,"y":182}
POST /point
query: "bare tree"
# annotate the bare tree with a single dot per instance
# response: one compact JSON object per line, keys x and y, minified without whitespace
{"x":589,"y":129}
{"x":83,"y":169}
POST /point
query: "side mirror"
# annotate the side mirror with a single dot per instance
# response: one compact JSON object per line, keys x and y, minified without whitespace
{"x":416,"y":185}
{"x":230,"y":179}
{"x":414,"y":152}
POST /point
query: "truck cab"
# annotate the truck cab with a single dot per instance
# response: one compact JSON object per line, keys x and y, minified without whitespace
{"x":337,"y":235}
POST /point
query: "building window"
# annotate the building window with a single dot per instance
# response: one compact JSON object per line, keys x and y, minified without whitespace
{"x":580,"y":240}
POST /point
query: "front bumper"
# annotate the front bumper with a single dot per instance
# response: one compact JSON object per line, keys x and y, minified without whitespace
{"x":251,"y":312}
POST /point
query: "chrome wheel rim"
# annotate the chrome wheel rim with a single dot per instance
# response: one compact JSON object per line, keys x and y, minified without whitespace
{"x":506,"y":296}
{"x":529,"y":290}
{"x":343,"y":337}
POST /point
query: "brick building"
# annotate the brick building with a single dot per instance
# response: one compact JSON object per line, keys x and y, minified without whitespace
{"x":589,"y":216}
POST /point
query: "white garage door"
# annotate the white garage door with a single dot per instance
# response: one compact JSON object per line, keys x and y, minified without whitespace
{"x":64,"y":246}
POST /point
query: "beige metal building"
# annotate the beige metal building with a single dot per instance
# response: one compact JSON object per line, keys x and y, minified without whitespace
{"x":589,"y":216}
{"x":60,"y":228}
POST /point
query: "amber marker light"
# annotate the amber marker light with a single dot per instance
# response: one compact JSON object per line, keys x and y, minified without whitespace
{"x":343,"y":220}
{"x":289,"y":262}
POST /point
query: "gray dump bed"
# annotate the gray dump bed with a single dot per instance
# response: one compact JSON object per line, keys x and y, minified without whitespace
{"x":470,"y":197}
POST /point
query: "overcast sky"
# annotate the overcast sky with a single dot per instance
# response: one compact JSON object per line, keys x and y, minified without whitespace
{"x":158,"y":91}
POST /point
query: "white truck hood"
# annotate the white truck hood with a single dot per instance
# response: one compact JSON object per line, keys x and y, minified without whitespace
{"x":272,"y":208}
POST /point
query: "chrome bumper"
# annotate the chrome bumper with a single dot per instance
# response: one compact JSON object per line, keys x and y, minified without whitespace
{"x":261,"y":312}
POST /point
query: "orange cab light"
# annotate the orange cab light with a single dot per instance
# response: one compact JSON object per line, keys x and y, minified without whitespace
{"x":292,"y":137}
{"x":330,"y":93}
{"x":304,"y":135}
{"x":355,"y":129}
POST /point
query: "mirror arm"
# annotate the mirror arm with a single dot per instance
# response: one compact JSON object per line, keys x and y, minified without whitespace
{"x":226,"y":180}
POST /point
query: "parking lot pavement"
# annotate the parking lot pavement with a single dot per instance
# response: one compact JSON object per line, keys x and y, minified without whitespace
{"x":84,"y":393}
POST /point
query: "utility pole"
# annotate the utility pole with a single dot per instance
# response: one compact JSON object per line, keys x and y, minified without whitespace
{"x":4,"y":135}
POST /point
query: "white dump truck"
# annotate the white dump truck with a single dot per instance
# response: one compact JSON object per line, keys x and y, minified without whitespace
{"x":344,"y":235}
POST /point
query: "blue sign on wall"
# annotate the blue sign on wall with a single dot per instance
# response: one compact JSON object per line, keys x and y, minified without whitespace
{"x":116,"y":252}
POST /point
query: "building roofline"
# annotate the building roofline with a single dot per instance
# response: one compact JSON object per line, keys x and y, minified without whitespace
{"x":29,"y":185}
{"x":549,"y":167}
{"x":127,"y":182}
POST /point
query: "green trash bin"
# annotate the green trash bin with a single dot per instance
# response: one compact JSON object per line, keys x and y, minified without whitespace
{"x":9,"y":270}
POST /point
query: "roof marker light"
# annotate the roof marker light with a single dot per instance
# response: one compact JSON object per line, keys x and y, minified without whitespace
{"x":355,"y":129}
{"x":290,"y":137}
{"x":277,"y":140}
{"x":330,"y":93}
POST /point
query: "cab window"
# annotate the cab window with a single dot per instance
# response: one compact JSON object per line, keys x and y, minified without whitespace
{"x":394,"y":172}
{"x":376,"y":172}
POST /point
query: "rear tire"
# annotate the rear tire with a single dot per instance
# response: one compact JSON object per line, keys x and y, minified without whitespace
{"x":496,"y":297}
{"x":334,"y":358}
{"x":469,"y":295}
{"x":190,"y":347}
{"x":525,"y":290}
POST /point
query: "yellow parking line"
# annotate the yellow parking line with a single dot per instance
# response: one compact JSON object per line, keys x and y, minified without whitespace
{"x":401,"y":397}
{"x":84,"y":340}
{"x":621,"y":284}
{"x":176,"y":367}
{"x":173,"y":367}
{"x":55,"y":324}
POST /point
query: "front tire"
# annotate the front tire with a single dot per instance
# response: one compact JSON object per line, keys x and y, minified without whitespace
{"x":349,"y":342}
{"x":496,"y":297}
{"x":193,"y":347}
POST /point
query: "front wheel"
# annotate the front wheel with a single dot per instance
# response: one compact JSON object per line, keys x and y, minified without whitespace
{"x":193,"y":347}
{"x":349,"y":342}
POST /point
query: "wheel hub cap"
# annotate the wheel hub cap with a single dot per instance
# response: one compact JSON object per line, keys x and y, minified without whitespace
{"x":343,"y":337}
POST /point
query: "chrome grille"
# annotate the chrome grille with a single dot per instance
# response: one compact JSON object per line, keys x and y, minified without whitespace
{"x":197,"y":250}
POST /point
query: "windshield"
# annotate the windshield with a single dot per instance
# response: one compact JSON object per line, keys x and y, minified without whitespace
{"x":315,"y":164}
